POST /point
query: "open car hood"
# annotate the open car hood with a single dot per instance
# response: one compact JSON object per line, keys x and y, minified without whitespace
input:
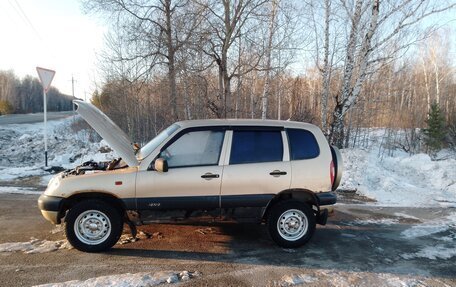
{"x":109,"y":131}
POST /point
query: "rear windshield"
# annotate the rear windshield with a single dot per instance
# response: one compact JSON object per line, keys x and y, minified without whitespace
{"x":303,"y":144}
{"x":156,"y":141}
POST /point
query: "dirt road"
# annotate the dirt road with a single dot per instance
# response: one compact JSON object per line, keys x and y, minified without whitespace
{"x":362,"y":245}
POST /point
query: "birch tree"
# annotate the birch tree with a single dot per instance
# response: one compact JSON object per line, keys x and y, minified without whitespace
{"x":268,"y":54}
{"x":378,"y":32}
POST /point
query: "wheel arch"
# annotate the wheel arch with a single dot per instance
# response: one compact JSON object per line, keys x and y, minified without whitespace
{"x":85,"y":195}
{"x":298,"y":194}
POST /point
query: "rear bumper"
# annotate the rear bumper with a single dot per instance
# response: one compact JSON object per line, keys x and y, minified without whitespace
{"x":326,"y":198}
{"x":50,"y":207}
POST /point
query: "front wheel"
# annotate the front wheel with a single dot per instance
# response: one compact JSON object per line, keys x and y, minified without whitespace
{"x":93,"y":226}
{"x":291,"y":223}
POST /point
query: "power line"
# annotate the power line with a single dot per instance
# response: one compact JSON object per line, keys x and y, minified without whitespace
{"x":24,"y":16}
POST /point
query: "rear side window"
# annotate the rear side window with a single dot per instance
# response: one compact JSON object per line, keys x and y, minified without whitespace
{"x":256,"y":146}
{"x":303,"y":144}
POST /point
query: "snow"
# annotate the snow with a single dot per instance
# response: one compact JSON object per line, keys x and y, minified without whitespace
{"x":432,"y":227}
{"x":401,"y":179}
{"x":18,"y":190}
{"x":432,"y":252}
{"x":423,"y":230}
{"x":11,"y":173}
{"x":69,"y":144}
{"x":403,"y":215}
{"x":443,"y":230}
{"x":129,"y":279}
{"x":290,"y":280}
{"x":381,"y":221}
{"x":35,"y":246}
{"x":338,"y":278}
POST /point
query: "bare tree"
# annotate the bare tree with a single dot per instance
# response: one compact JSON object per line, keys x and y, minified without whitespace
{"x":151,"y":35}
{"x":227,"y":20}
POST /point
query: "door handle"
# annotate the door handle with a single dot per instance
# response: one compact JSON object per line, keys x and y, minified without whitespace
{"x":209,"y":175}
{"x":277,"y":173}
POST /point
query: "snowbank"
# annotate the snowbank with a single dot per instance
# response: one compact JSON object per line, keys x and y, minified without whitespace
{"x":128,"y":279}
{"x":22,"y":148}
{"x":401,"y":180}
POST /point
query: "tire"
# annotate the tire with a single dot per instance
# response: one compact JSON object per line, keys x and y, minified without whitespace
{"x":93,"y":225}
{"x":282,"y":222}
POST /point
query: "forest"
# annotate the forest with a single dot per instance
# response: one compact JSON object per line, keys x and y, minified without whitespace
{"x":345,"y":65}
{"x":26,"y":95}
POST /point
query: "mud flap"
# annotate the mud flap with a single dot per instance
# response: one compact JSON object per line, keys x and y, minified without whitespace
{"x":322,"y":217}
{"x":128,"y":220}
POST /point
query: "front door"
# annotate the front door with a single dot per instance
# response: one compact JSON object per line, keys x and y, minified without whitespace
{"x":193,"y":180}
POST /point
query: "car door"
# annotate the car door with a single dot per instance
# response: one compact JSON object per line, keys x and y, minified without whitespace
{"x":256,"y":167}
{"x":193,"y":179}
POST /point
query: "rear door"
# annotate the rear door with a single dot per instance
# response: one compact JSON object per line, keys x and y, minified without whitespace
{"x":256,"y":167}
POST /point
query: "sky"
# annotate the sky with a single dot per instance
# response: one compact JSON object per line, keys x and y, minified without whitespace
{"x":53,"y":34}
{"x":57,"y":35}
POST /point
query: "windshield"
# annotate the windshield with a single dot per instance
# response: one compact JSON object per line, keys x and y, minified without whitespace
{"x":156,"y":141}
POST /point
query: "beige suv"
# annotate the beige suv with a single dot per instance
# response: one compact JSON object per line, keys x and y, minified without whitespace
{"x":277,"y":172}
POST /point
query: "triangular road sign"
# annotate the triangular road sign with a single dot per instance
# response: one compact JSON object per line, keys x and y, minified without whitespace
{"x":46,"y":77}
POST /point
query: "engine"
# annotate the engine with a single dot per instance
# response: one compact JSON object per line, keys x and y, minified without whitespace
{"x":93,"y":166}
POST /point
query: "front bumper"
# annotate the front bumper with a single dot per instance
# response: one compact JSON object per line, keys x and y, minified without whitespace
{"x":51,"y":207}
{"x":326,"y":198}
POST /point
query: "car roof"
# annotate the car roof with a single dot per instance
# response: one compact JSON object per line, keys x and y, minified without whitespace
{"x":246,"y":122}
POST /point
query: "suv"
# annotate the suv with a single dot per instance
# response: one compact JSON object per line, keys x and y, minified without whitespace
{"x":277,"y":172}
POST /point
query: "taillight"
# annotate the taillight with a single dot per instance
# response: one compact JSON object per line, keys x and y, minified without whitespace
{"x":332,"y":172}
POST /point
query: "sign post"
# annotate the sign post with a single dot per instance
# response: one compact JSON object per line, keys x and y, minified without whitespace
{"x":46,"y":77}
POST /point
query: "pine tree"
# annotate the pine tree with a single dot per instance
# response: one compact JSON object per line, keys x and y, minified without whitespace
{"x":434,"y":134}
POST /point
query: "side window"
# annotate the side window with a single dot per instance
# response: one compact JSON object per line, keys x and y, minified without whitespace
{"x":303,"y":144}
{"x":256,"y":146}
{"x":195,"y":148}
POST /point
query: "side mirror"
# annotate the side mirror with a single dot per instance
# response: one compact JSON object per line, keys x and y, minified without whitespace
{"x":161,"y":165}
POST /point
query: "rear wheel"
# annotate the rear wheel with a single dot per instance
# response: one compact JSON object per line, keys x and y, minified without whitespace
{"x":93,"y":226}
{"x":291,"y":223}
